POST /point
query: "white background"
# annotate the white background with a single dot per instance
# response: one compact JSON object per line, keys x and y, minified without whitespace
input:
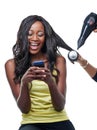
{"x":66,"y":17}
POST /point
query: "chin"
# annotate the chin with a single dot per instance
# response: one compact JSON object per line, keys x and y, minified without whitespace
{"x":34,"y":52}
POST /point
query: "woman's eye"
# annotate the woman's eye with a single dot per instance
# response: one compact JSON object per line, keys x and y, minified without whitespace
{"x":30,"y":33}
{"x":40,"y":34}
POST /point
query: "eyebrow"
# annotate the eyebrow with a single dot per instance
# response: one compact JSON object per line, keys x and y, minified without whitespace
{"x":38,"y":31}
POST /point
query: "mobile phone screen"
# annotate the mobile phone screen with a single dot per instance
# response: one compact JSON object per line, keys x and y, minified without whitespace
{"x":38,"y":63}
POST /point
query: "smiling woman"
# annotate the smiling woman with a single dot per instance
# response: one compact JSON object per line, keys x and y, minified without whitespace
{"x":36,"y":37}
{"x":35,"y":88}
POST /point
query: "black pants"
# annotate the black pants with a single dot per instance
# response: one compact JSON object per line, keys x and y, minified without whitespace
{"x":63,"y":125}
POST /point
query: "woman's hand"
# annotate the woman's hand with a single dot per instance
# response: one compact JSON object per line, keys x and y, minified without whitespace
{"x":35,"y":73}
{"x":40,"y":73}
{"x":47,"y":76}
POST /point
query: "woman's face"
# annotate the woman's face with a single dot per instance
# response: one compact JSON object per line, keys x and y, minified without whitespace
{"x":36,"y":37}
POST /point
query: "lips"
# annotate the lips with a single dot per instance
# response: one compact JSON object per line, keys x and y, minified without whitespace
{"x":34,"y":46}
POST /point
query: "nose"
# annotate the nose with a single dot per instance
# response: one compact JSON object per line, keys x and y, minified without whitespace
{"x":34,"y":37}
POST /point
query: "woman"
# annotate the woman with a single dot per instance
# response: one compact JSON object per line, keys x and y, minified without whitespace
{"x":40,"y":92}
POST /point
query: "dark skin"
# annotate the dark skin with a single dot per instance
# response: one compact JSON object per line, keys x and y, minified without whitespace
{"x":90,"y":69}
{"x":20,"y":90}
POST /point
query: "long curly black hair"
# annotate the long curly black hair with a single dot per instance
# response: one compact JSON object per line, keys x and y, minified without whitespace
{"x":21,"y":53}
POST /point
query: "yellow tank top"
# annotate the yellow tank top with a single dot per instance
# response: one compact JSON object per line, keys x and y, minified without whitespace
{"x":42,"y":110}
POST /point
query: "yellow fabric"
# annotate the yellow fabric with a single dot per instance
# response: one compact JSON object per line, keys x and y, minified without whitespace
{"x":42,"y":110}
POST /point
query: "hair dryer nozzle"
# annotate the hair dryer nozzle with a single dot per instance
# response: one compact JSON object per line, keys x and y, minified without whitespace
{"x":73,"y":56}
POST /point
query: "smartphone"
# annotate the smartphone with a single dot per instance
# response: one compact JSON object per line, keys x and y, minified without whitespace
{"x":39,"y":63}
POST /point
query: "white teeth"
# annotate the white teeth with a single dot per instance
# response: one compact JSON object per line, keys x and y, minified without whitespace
{"x":34,"y":44}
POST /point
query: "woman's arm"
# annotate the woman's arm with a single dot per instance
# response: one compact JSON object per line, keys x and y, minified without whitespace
{"x":91,"y":70}
{"x":57,"y":90}
{"x":19,"y":91}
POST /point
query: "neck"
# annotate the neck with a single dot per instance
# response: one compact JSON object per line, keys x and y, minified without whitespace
{"x":40,"y":56}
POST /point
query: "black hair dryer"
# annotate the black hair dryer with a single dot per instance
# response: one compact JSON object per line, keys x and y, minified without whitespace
{"x":90,"y":23}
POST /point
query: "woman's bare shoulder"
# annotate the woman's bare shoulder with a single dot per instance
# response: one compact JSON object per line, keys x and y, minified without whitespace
{"x":60,"y":59}
{"x":10,"y":63}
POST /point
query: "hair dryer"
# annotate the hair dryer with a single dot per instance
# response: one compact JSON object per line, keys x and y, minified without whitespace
{"x":89,"y":24}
